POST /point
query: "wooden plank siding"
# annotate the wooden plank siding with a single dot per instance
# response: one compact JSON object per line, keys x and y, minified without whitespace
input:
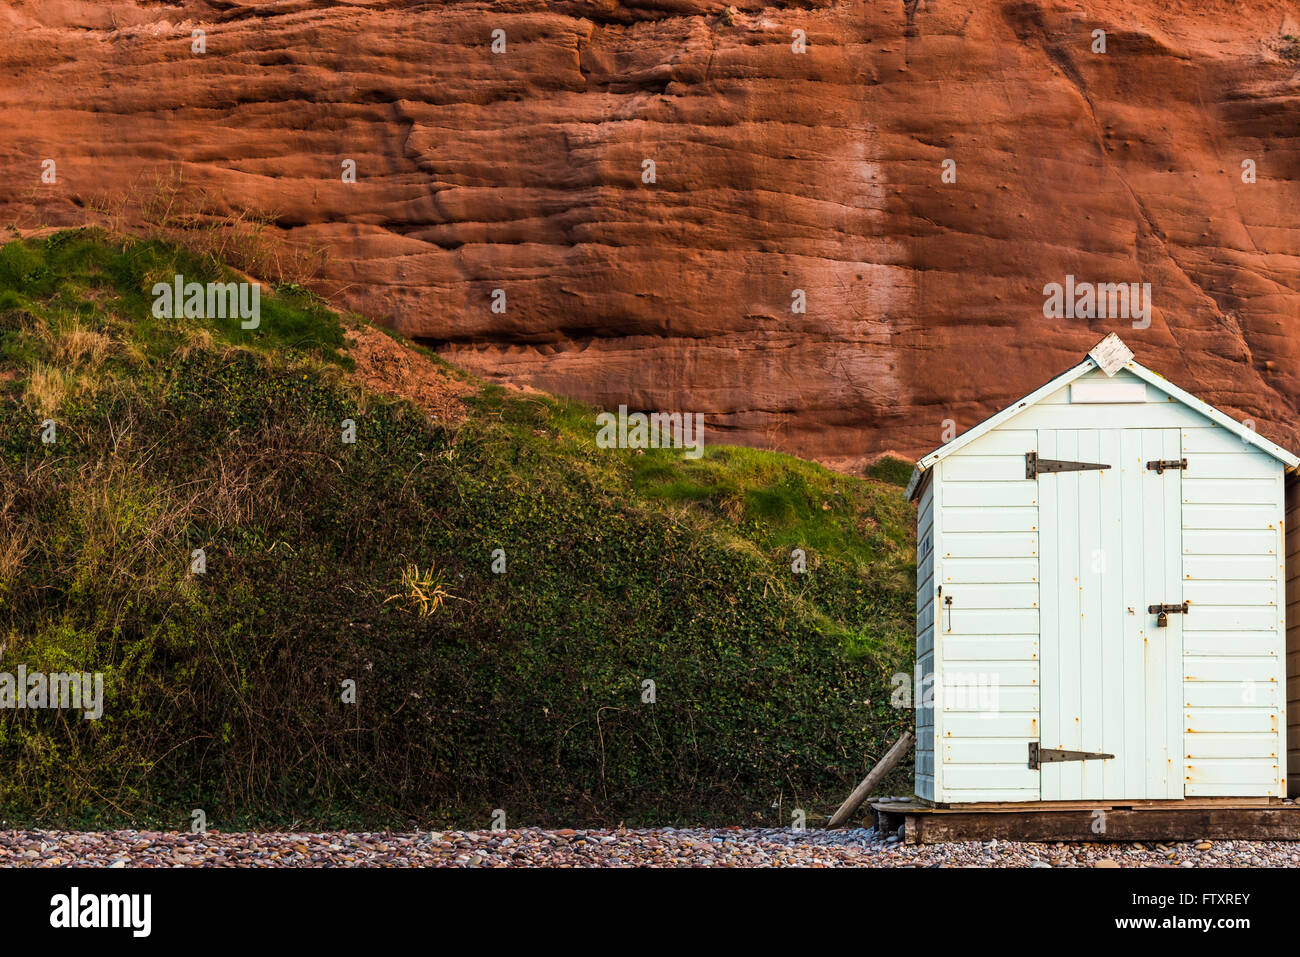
{"x":1291,"y":605}
{"x":987,"y":674}
{"x":1234,"y":636}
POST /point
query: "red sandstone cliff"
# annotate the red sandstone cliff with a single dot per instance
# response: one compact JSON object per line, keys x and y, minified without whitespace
{"x":775,"y":171}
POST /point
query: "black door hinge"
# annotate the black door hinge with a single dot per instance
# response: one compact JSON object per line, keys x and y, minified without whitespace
{"x":1039,"y":755}
{"x":1034,"y":466}
{"x":1159,"y":466}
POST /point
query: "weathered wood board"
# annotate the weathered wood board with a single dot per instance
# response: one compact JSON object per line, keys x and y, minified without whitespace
{"x":1213,"y":822}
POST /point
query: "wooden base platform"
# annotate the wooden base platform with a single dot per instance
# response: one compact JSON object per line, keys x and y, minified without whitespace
{"x":1213,"y":819}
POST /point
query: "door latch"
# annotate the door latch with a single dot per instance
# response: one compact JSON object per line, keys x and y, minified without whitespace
{"x":1159,"y":465}
{"x":1162,"y":612}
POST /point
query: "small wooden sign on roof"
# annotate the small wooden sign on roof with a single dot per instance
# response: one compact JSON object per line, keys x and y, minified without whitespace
{"x":1111,"y":354}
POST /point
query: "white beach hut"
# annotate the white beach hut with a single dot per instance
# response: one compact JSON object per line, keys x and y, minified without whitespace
{"x":1101,"y":592}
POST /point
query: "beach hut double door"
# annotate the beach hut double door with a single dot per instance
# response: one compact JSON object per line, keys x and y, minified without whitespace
{"x":1110,"y":546}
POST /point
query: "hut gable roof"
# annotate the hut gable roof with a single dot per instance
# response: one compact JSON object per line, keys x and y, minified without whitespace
{"x":1109,"y":356}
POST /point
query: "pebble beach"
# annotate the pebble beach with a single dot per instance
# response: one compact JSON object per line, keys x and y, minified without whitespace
{"x":659,"y":847}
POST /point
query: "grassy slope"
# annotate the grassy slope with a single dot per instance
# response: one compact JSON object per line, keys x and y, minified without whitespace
{"x":519,"y":691}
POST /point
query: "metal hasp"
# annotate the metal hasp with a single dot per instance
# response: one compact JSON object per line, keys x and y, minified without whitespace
{"x":1162,"y":612}
{"x":1160,"y":465}
{"x":1034,"y":466}
{"x":1039,"y":755}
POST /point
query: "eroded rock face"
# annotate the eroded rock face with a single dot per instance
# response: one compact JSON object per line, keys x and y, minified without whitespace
{"x":774,"y":171}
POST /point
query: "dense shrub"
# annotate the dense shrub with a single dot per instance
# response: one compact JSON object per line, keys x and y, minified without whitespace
{"x":521,"y":691}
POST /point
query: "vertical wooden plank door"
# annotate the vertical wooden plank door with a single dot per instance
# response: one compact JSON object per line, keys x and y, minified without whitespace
{"x":1110,"y":679}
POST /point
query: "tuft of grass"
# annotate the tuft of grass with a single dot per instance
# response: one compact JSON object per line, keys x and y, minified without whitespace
{"x":425,"y":592}
{"x":47,"y":387}
{"x":71,"y":295}
{"x":166,"y":207}
{"x":784,"y":503}
{"x":80,"y":348}
{"x":891,"y":469}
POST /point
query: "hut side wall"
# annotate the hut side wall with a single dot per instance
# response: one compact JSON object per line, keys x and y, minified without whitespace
{"x":925,"y":732}
{"x":1292,"y":525}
